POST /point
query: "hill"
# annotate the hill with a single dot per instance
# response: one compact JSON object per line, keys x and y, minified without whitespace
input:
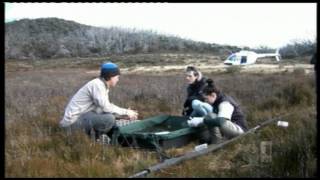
{"x":47,"y":38}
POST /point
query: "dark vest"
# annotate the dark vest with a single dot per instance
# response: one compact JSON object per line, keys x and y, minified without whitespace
{"x":237,"y":115}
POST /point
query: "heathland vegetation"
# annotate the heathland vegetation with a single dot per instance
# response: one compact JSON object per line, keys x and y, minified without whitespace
{"x":35,"y":146}
{"x":47,"y":61}
{"x":47,"y":38}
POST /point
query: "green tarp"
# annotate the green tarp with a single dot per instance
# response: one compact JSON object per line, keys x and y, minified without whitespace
{"x":163,"y":131}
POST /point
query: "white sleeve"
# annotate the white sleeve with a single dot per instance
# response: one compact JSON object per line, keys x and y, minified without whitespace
{"x":101,"y":99}
{"x":225,"y":110}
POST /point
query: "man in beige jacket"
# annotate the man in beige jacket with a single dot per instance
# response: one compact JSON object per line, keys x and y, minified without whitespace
{"x":90,"y":107}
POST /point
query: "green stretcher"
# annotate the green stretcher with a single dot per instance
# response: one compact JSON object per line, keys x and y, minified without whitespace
{"x":159,"y":132}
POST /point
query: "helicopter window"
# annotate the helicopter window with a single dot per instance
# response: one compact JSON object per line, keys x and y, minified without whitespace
{"x":232,"y":57}
{"x":243,"y":59}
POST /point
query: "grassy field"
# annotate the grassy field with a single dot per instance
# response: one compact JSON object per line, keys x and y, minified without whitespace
{"x":36,"y":94}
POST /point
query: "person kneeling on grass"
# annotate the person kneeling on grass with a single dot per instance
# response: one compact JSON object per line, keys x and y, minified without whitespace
{"x":196,"y":83}
{"x":225,"y":117}
{"x":90,"y":108}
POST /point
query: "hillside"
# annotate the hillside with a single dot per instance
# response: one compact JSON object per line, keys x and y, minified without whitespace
{"x":47,"y":38}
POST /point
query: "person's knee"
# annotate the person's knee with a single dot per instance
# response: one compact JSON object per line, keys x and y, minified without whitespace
{"x":196,"y":104}
{"x":231,"y":130}
{"x":110,"y":120}
{"x":104,"y":123}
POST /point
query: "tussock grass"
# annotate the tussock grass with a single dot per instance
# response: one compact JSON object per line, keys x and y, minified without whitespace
{"x":36,"y":147}
{"x":233,"y":69}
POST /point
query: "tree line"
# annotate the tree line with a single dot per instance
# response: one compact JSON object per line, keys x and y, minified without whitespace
{"x":47,"y":38}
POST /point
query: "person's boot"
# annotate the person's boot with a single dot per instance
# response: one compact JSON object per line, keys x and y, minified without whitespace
{"x":113,"y":134}
{"x":104,"y":139}
{"x":204,"y":137}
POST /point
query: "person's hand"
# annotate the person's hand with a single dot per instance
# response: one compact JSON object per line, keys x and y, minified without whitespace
{"x":195,"y":122}
{"x":133,"y":115}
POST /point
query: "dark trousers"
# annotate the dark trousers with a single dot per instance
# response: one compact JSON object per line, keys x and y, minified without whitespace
{"x":91,"y":121}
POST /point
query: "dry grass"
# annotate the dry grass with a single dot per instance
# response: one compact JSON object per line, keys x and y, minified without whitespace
{"x":36,"y":147}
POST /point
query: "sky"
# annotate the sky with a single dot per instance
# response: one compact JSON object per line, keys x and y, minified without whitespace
{"x":241,"y":24}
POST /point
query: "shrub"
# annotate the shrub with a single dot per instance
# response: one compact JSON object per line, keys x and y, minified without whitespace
{"x":298,"y":72}
{"x":36,"y":147}
{"x":297,"y":94}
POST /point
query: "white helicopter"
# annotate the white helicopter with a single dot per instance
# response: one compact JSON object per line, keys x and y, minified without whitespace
{"x":248,"y":57}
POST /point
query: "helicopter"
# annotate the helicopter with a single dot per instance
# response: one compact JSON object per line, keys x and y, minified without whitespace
{"x":245,"y":57}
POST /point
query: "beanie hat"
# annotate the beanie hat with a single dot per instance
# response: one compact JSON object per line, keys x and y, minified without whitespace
{"x":109,"y":70}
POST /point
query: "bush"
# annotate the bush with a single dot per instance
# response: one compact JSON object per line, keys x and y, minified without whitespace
{"x":37,"y":147}
{"x":298,"y":49}
{"x":298,"y":72}
{"x":294,"y":154}
{"x":271,"y":103}
{"x":297,"y":94}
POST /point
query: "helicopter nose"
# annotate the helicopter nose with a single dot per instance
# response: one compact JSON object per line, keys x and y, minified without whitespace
{"x":227,"y":62}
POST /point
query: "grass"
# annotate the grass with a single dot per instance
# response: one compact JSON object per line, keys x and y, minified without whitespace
{"x":124,"y":61}
{"x":233,"y":69}
{"x":35,"y":146}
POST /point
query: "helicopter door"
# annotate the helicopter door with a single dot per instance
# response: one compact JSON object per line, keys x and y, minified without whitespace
{"x":243,"y":59}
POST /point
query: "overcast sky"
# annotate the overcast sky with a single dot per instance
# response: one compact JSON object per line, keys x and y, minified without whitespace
{"x":240,"y":24}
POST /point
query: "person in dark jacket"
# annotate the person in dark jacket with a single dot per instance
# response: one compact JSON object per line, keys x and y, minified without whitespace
{"x":226,"y":117}
{"x":196,"y":84}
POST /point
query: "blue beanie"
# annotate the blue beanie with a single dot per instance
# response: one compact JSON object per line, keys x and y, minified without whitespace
{"x":109,"y":70}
